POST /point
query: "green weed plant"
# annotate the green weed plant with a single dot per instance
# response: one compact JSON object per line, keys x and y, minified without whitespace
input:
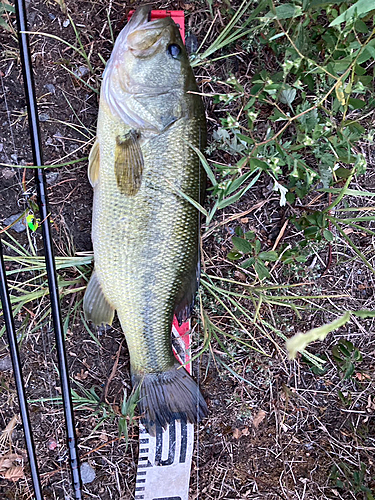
{"x":315,"y":100}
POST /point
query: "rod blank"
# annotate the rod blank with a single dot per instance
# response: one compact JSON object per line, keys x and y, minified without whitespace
{"x":17,"y":372}
{"x":47,"y":243}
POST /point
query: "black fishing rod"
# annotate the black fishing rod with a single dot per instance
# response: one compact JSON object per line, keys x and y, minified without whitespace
{"x":17,"y":372}
{"x":47,"y":243}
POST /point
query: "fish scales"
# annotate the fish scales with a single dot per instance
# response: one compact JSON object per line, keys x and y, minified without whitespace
{"x":160,"y":237}
{"x":145,"y":233}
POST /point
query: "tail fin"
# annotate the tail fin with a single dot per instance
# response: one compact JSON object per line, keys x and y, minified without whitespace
{"x":166,"y":395}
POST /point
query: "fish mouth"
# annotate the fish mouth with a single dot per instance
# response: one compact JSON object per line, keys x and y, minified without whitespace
{"x":143,"y":35}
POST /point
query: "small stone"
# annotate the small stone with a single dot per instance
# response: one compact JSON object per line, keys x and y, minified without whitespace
{"x":87,"y":473}
{"x":66,"y":23}
{"x":14,"y":158}
{"x":18,"y":226}
{"x":5,"y":364}
{"x":43,"y":117}
{"x":51,"y":16}
{"x":52,"y":177}
{"x":8,"y":173}
{"x":81,"y":71}
{"x":50,"y":87}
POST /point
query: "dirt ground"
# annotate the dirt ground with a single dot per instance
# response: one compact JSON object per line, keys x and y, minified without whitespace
{"x":276,"y":429}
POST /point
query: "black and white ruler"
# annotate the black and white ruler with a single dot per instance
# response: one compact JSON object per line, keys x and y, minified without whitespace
{"x":164,"y":462}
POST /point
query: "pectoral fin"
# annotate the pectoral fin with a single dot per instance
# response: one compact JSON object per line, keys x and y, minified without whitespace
{"x":94,"y":161}
{"x":95,"y":305}
{"x":128,"y":163}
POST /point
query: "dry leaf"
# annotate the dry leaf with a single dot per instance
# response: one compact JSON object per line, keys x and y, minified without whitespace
{"x":259,"y":417}
{"x":240,"y":276}
{"x":6,"y":434}
{"x":103,"y":437}
{"x":348,"y":230}
{"x":14,"y":473}
{"x":81,"y":376}
{"x":6,"y":461}
{"x":362,"y":376}
{"x":237,"y":433}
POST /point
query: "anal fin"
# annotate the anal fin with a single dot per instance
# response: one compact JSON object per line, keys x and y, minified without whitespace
{"x":95,"y":305}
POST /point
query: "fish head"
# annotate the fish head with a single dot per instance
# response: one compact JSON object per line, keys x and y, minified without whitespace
{"x":149,"y":66}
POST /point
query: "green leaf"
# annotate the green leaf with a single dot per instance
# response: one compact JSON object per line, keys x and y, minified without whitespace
{"x":7,"y":7}
{"x":248,"y":263}
{"x":188,"y":198}
{"x":257,"y":246}
{"x":261,"y":270}
{"x":360,"y":26}
{"x":237,"y":183}
{"x":342,"y":173}
{"x":271,"y":256}
{"x":356,"y":103}
{"x":357,"y":356}
{"x":246,"y":139}
{"x":242,"y":245}
{"x":278,"y":116}
{"x":234,"y":255}
{"x":311,"y":232}
{"x":235,"y":197}
{"x":348,"y":192}
{"x":205,"y":164}
{"x":349,"y":371}
{"x":285,"y":11}
{"x":364,"y":314}
{"x":301,"y":258}
{"x":300,"y":341}
{"x":358,"y":70}
{"x":288,"y":95}
{"x":328,"y":235}
{"x":249,"y":235}
{"x":368,"y":53}
{"x":359,"y":9}
{"x":123,"y":428}
{"x":255,"y":163}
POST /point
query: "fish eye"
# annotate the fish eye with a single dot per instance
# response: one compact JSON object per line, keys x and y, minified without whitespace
{"x":174,"y":50}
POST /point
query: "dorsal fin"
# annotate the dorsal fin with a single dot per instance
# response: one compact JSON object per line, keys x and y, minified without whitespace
{"x":128,"y":163}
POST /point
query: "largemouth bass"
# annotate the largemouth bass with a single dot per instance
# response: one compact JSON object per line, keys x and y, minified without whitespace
{"x":145,"y":233}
